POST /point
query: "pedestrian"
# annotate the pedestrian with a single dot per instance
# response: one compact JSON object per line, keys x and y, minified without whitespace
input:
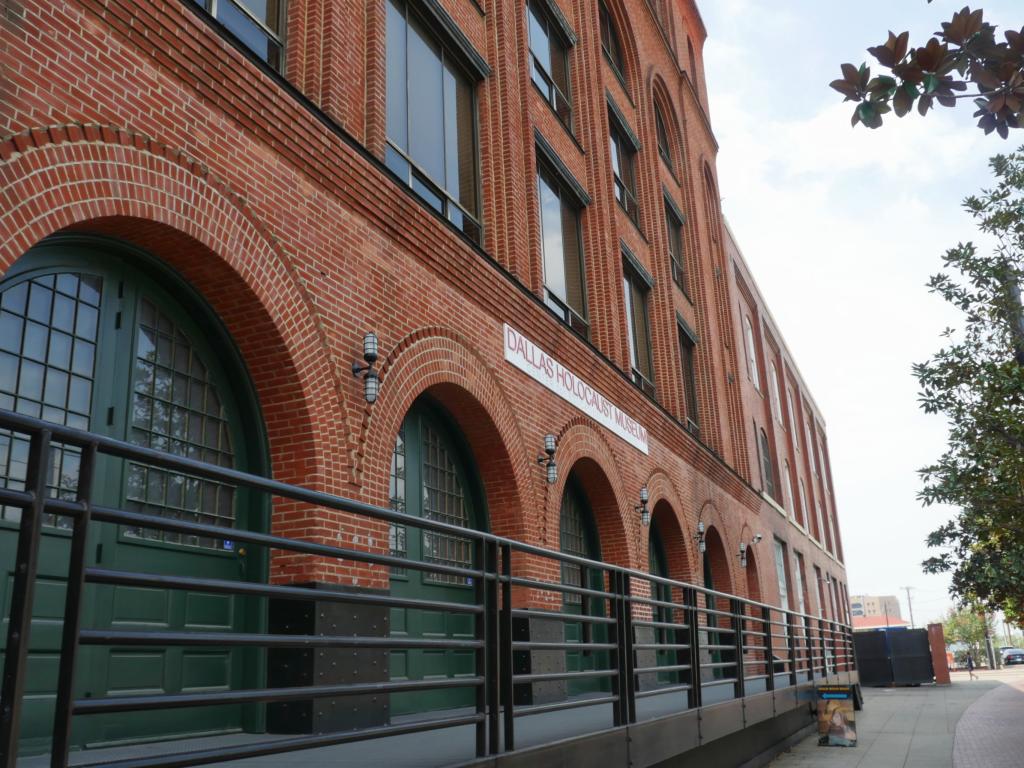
{"x":970,"y":667}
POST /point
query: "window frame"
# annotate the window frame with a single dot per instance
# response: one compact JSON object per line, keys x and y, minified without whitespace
{"x":623,"y":150}
{"x":275,"y":37}
{"x":751,"y":347}
{"x":767,"y":463}
{"x":609,"y":30}
{"x":412,"y":174}
{"x":674,"y":223}
{"x":578,"y":319}
{"x":688,"y":373}
{"x":664,"y":138}
{"x":774,"y":395}
{"x":636,"y":285}
{"x":560,"y":42}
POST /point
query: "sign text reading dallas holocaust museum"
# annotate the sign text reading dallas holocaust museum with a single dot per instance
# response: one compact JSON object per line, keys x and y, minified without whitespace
{"x":540,"y":366}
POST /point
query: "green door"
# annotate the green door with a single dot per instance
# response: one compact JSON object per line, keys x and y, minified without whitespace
{"x":658,"y":566}
{"x":578,"y":536}
{"x":432,"y":478}
{"x":89,"y":341}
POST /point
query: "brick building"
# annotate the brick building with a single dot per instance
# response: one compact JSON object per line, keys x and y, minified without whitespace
{"x":205,"y":205}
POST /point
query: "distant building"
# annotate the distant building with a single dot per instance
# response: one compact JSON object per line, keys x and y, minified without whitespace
{"x":875,"y":605}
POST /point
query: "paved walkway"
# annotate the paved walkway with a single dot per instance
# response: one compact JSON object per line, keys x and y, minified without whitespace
{"x":969,"y":724}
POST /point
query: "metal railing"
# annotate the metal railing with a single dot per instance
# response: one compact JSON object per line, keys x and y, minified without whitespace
{"x":633,"y":635}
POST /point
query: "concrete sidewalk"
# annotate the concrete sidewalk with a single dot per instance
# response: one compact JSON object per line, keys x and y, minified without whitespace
{"x":969,"y":724}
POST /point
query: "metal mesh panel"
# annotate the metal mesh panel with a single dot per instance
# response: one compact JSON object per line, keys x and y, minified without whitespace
{"x":175,"y":407}
{"x":48,"y":334}
{"x":444,"y":501}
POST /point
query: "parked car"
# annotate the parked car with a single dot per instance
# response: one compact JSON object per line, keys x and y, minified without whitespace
{"x":1013,"y":656}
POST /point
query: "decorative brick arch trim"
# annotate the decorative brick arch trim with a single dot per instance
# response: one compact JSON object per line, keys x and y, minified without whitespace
{"x":676,"y":531}
{"x":583,"y":447}
{"x":116,"y":182}
{"x":713,"y":518}
{"x":661,"y":99}
{"x":442,"y":363}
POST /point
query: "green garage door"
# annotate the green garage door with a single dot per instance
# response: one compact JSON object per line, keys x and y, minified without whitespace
{"x":89,"y":341}
{"x":578,"y":536}
{"x":432,"y":478}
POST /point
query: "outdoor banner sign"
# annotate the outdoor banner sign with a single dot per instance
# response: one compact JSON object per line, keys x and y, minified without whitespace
{"x":546,"y":370}
{"x":836,"y":725}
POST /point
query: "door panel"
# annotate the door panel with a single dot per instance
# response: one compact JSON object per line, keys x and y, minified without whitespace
{"x":430,"y":478}
{"x":103,"y":347}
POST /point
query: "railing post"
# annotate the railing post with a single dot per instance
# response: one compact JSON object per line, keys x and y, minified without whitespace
{"x":491,"y":647}
{"x":766,"y":622}
{"x":627,"y":626}
{"x":505,"y":648}
{"x":73,"y":612}
{"x":22,"y":595}
{"x":619,"y":681}
{"x":693,"y":620}
{"x":737,"y":623}
{"x":794,"y":657}
{"x":480,"y":593}
{"x":821,"y":646}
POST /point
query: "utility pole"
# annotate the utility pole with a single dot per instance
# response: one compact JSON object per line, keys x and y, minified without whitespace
{"x":910,"y":605}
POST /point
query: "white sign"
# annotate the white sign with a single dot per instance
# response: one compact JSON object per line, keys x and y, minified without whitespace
{"x":541,"y":367}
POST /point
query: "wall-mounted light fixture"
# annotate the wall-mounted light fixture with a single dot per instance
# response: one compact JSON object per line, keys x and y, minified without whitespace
{"x":702,"y":544}
{"x":645,"y":513}
{"x":744,"y":546}
{"x":371,"y":379}
{"x":548,"y":459}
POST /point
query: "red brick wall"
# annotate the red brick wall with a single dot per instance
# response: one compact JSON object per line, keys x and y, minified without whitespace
{"x":134,"y":119}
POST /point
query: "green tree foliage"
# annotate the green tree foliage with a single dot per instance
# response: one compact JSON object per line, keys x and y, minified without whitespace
{"x":977,"y":382}
{"x":967,"y":625}
{"x":965,"y":52}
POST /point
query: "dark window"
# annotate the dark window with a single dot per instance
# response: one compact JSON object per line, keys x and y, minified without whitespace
{"x":767,"y":466}
{"x":675,"y":247}
{"x":664,"y":145}
{"x":549,"y":57}
{"x":257,"y":23}
{"x":635,"y":292}
{"x":431,"y":120}
{"x":573,"y":539}
{"x":688,"y":357}
{"x":610,"y":43}
{"x":693,"y":62}
{"x":564,"y":287}
{"x":623,"y":155}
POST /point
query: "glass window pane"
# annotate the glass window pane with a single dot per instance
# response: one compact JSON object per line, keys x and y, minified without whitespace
{"x":574,"y":286}
{"x":426,"y":142}
{"x":39,"y":303}
{"x":551,"y":239}
{"x":397,"y":96}
{"x":540,"y":46}
{"x":10,"y":331}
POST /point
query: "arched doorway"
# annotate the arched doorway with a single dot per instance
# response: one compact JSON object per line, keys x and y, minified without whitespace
{"x":715,"y":567}
{"x":657,"y":565}
{"x":101,"y":337}
{"x":432,"y":476}
{"x":578,"y":536}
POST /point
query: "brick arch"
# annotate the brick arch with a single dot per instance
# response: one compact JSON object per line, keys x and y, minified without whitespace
{"x":676,"y":533}
{"x":584,"y":451}
{"x":443,"y":364}
{"x":630,"y":54}
{"x":719,"y":554}
{"x":662,"y":101}
{"x":117,"y":183}
{"x":752,"y":576}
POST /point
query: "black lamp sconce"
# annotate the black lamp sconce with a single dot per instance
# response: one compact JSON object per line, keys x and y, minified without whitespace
{"x":547,"y":460}
{"x":645,"y":513}
{"x":743,"y":549}
{"x":371,"y":379}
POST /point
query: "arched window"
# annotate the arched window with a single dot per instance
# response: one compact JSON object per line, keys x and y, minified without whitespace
{"x":788,"y":488}
{"x":664,"y":144}
{"x":693,"y":61}
{"x":432,"y":477}
{"x":748,"y":339}
{"x":99,"y":337}
{"x":610,"y":43}
{"x":767,"y":466}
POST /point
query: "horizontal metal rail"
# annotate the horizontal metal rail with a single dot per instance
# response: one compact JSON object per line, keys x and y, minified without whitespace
{"x":628,"y":613}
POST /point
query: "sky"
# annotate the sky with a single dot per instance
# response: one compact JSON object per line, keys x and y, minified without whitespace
{"x":842,"y":228}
